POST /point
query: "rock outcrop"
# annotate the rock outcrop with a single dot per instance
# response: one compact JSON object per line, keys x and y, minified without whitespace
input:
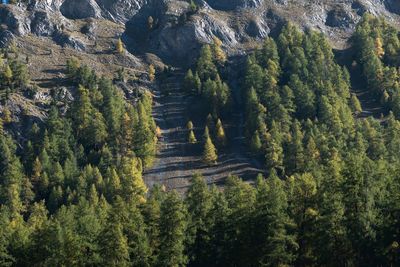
{"x":80,"y":9}
{"x":172,"y":29}
{"x":234,"y":4}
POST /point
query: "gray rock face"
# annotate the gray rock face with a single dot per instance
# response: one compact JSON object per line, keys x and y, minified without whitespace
{"x":14,"y":19}
{"x":41,"y":24}
{"x":257,"y":29}
{"x":233,"y":4}
{"x":45,"y":5}
{"x":176,"y":33}
{"x":5,"y":38}
{"x":339,"y":18}
{"x":80,"y":9}
{"x":120,"y":10}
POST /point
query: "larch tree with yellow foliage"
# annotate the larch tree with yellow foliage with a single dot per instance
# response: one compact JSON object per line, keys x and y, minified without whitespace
{"x":152,"y":73}
{"x":219,"y":54}
{"x":192,"y":138}
{"x":120,"y":46}
{"x":133,"y":186}
{"x":220,"y":133}
{"x":379,"y":47}
{"x":210,"y":152}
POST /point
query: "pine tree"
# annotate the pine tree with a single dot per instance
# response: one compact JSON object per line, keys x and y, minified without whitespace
{"x":220,"y":133}
{"x":275,"y":246}
{"x":152,"y":73}
{"x":120,"y":46}
{"x":172,"y":232}
{"x":114,"y":246}
{"x":128,"y":214}
{"x":132,"y":183}
{"x":255,"y":144}
{"x":11,"y":176}
{"x":206,"y":133}
{"x":219,"y":54}
{"x":8,"y":74}
{"x":6,"y":258}
{"x":210,"y":152}
{"x":7,"y":118}
{"x":355,"y":103}
{"x":205,"y":66}
{"x":188,"y":82}
{"x":192,"y":138}
{"x":379,"y":47}
{"x":199,"y":204}
{"x":189,"y":125}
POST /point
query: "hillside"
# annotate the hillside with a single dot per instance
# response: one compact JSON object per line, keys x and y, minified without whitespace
{"x":200,"y":133}
{"x":51,"y":32}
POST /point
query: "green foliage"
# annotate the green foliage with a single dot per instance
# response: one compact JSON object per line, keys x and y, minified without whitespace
{"x":73,"y":193}
{"x":173,"y":224}
{"x":210,"y":152}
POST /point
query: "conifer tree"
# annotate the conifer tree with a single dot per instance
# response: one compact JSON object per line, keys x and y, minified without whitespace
{"x":152,"y":73}
{"x":206,"y":133}
{"x":120,"y":46}
{"x":199,"y":204}
{"x":355,"y":103}
{"x":189,"y":125}
{"x":172,"y":231}
{"x":219,"y":54}
{"x":205,"y":65}
{"x":255,"y":144}
{"x":275,"y":246}
{"x":220,"y":133}
{"x":210,"y":152}
{"x":192,"y":138}
{"x":188,"y":82}
{"x":114,"y":245}
{"x":379,"y":47}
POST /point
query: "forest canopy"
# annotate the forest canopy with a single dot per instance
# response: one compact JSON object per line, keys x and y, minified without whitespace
{"x":73,"y":194}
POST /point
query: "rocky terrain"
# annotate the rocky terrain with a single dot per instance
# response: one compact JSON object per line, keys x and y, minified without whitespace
{"x":176,"y":30}
{"x":161,"y":32}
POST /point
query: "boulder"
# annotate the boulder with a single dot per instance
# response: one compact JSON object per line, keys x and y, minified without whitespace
{"x":80,"y":9}
{"x":64,"y":39}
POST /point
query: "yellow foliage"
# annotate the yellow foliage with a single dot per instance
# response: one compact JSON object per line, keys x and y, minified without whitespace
{"x":120,"y":46}
{"x":152,"y":73}
{"x":379,"y":47}
{"x":219,"y":54}
{"x":7,"y":116}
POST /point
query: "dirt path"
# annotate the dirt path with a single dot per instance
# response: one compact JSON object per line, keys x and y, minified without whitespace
{"x":177,"y":160}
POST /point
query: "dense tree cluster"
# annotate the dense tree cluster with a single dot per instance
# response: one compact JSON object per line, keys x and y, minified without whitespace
{"x":377,"y":47}
{"x":13,"y":73}
{"x":73,"y":193}
{"x":296,"y":96}
{"x":206,"y":80}
{"x":56,"y":190}
{"x":300,"y":119}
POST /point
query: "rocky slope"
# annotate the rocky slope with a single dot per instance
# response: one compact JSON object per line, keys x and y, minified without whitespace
{"x":177,"y":31}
